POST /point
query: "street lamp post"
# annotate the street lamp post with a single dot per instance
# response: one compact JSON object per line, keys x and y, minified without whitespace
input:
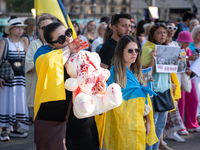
{"x":94,"y":6}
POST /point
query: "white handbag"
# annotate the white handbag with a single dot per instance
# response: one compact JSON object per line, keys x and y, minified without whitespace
{"x":186,"y":84}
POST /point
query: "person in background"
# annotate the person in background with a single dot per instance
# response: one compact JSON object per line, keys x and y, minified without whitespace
{"x":178,"y":20}
{"x":193,"y":23}
{"x":78,"y":32}
{"x":132,"y":121}
{"x":90,"y":33}
{"x":188,"y":103}
{"x":121,"y":25}
{"x":161,"y":81}
{"x":30,"y":74}
{"x":29,"y":31}
{"x":140,"y":35}
{"x":197,"y":16}
{"x":171,"y":131}
{"x":147,"y":28}
{"x":184,"y":25}
{"x":171,"y":31}
{"x":133,"y":27}
{"x":101,"y":28}
{"x":107,"y":35}
{"x":195,"y":48}
{"x":13,"y":110}
{"x":105,"y":19}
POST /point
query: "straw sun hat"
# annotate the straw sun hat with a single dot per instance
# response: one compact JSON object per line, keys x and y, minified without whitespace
{"x":12,"y":23}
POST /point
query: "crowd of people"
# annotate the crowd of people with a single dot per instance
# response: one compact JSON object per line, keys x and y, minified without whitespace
{"x":125,"y":48}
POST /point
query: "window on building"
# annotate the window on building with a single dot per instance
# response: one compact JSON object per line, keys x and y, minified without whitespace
{"x":112,"y":9}
{"x":101,"y":9}
{"x":123,"y":9}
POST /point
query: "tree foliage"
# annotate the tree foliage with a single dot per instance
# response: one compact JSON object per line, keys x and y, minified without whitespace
{"x":19,"y":5}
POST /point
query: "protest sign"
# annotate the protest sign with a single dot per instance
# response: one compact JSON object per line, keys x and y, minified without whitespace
{"x":167,"y":59}
{"x":147,"y":73}
{"x":182,"y":64}
{"x":195,"y":66}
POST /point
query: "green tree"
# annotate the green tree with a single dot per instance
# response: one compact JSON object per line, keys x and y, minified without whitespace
{"x":19,"y":5}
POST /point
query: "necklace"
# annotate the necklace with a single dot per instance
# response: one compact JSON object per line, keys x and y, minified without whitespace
{"x":17,"y":47}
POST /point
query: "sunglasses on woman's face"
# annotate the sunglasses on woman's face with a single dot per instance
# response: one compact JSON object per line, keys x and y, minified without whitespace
{"x":62,"y":38}
{"x":135,"y":50}
{"x":172,"y":28}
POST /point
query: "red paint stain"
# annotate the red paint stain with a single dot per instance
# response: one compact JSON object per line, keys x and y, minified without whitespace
{"x":88,"y":60}
{"x":77,"y":91}
{"x":92,"y":102}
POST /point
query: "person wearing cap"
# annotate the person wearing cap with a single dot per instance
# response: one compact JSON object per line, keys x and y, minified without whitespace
{"x":13,"y":110}
{"x":188,"y":103}
{"x":101,"y":28}
{"x":195,"y":48}
{"x":121,"y":25}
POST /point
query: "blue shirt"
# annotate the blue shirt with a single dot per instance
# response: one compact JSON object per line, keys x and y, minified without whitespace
{"x":192,"y":47}
{"x":184,"y":27}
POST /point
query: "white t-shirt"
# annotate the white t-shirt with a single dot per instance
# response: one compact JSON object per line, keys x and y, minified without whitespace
{"x":96,"y":42}
{"x":174,"y":44}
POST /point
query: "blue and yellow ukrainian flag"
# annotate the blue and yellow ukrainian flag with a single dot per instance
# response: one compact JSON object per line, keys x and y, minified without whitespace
{"x":55,"y":8}
{"x":125,"y":126}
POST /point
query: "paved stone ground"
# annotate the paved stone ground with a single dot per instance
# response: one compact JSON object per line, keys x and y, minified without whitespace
{"x":192,"y":142}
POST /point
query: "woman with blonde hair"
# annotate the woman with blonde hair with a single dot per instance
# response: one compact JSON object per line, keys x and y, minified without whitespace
{"x":193,"y":23}
{"x":90,"y":33}
{"x":29,"y":31}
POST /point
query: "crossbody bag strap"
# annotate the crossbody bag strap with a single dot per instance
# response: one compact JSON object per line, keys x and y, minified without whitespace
{"x":5,"y":53}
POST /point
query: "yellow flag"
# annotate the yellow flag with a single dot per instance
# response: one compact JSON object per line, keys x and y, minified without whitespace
{"x":55,"y":8}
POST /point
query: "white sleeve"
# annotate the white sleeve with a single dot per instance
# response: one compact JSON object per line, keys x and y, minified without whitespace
{"x":147,"y":109}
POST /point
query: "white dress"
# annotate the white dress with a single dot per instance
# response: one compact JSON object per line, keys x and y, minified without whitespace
{"x":13,"y":96}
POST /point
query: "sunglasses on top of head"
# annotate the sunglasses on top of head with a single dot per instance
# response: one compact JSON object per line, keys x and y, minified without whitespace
{"x":158,"y":24}
{"x":172,"y":28}
{"x":135,"y":50}
{"x":62,"y":38}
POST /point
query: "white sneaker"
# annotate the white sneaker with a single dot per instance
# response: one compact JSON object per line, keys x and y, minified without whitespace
{"x":18,"y":133}
{"x":194,"y":130}
{"x":175,"y":136}
{"x":164,"y":142}
{"x":4,"y":136}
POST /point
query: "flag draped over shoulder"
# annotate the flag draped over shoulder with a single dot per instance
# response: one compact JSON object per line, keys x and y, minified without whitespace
{"x":146,"y":50}
{"x":125,"y":126}
{"x":50,"y":85}
{"x":55,"y":8}
{"x":177,"y":94}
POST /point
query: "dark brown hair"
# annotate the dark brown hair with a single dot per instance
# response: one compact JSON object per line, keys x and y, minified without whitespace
{"x":152,"y":31}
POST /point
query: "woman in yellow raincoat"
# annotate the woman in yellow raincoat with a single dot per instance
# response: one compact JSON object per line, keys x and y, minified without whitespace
{"x":129,"y":126}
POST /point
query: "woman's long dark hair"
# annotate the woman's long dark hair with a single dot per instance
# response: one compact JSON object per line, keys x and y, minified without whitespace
{"x":119,"y":63}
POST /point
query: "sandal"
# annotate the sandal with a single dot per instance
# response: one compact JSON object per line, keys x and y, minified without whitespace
{"x":30,"y":121}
